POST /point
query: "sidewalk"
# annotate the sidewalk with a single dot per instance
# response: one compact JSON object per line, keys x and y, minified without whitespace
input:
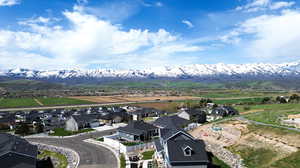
{"x":107,"y":127}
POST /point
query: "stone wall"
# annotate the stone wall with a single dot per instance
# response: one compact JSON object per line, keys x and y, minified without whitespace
{"x":233,"y":160}
{"x":72,"y":156}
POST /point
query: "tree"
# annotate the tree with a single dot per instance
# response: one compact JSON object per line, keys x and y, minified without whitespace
{"x":294,"y":97}
{"x":266,"y":100}
{"x":281,"y":100}
{"x":203,"y":102}
{"x":22,"y":129}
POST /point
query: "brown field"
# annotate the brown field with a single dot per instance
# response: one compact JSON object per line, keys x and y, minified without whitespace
{"x":119,"y":99}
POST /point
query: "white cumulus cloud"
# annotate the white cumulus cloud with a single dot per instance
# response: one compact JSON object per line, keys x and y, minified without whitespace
{"x":269,"y":37}
{"x":89,"y":40}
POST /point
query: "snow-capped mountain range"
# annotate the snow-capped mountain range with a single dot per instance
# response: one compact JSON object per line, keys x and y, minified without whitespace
{"x":189,"y":71}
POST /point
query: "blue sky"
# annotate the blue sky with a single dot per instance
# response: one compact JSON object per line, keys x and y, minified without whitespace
{"x":129,"y":34}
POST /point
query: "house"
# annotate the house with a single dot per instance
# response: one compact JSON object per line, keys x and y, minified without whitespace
{"x":194,"y":115}
{"x":176,"y":148}
{"x":146,"y":112}
{"x":224,"y":111}
{"x":110,"y":117}
{"x":77,"y":122}
{"x":137,"y":131}
{"x":16,"y":152}
{"x":173,"y":122}
{"x":7,"y":122}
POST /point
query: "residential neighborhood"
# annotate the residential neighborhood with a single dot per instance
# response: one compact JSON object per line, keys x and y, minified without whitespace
{"x":165,"y":135}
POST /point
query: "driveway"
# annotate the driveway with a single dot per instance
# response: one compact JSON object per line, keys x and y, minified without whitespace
{"x":91,"y":156}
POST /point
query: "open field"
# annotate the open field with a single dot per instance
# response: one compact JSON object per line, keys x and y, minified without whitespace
{"x":18,"y":102}
{"x":116,"y":99}
{"x":259,"y":146}
{"x":39,"y":102}
{"x":269,"y":113}
{"x":238,"y":100}
{"x":62,"y":101}
{"x":240,"y":94}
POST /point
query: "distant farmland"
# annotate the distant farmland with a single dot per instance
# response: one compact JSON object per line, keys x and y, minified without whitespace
{"x":40,"y":102}
{"x":119,"y":99}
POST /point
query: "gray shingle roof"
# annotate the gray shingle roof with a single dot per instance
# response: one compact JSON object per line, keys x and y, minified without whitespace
{"x":172,"y":122}
{"x":11,"y":143}
{"x":137,"y":127}
{"x":176,"y":153}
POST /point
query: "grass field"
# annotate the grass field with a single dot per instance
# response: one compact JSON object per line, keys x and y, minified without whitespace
{"x":292,"y":161}
{"x":18,"y":102}
{"x":264,"y":154}
{"x":62,"y":101}
{"x":255,"y":158}
{"x":239,"y":101}
{"x":30,"y":102}
{"x":269,"y":113}
{"x":240,"y":93}
{"x":62,"y":160}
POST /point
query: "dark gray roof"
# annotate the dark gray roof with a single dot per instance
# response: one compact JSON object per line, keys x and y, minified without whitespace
{"x":195,"y":111}
{"x":137,"y":128}
{"x":158,"y":145}
{"x":176,"y":153}
{"x":85,"y":117}
{"x":8,"y":119}
{"x":172,"y":122}
{"x":11,"y":143}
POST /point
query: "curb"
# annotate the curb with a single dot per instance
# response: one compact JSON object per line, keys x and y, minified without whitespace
{"x":117,"y":155}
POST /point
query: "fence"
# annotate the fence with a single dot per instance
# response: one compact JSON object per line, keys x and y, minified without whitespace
{"x":113,"y":141}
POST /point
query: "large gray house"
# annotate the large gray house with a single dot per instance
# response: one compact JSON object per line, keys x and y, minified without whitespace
{"x":178,"y":149}
{"x":77,"y":122}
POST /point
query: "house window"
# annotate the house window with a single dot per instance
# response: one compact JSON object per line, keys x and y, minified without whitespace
{"x":187,"y":151}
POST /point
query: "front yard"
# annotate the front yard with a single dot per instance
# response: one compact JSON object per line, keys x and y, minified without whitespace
{"x":63,"y":132}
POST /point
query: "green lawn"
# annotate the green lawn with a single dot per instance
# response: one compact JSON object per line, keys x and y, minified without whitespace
{"x":219,"y":163}
{"x":18,"y":102}
{"x":122,"y":161}
{"x":63,"y":162}
{"x":63,"y":132}
{"x":62,"y":101}
{"x":148,"y":155}
{"x":292,"y":161}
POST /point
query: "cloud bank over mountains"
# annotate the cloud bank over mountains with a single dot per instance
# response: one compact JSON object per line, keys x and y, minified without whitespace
{"x":86,"y":40}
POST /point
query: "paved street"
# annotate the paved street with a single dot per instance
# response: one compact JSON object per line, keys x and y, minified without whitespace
{"x":91,"y":156}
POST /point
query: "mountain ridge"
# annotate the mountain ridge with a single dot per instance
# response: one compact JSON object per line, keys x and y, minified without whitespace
{"x":197,"y":71}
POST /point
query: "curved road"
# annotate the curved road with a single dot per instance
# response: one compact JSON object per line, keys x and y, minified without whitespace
{"x":91,"y":156}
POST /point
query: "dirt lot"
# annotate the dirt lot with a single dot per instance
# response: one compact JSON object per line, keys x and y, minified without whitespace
{"x":249,"y":140}
{"x":117,"y":99}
